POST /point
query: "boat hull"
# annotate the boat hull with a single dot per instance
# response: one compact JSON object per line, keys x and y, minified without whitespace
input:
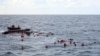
{"x":26,"y":31}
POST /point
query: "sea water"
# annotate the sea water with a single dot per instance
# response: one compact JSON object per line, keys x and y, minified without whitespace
{"x":82,"y":28}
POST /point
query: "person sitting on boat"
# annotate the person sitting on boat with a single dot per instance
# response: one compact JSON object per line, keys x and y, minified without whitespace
{"x":13,"y":26}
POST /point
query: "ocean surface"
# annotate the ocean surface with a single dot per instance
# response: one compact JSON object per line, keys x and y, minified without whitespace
{"x":82,"y":28}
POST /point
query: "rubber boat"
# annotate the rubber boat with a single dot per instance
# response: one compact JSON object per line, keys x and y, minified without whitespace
{"x":13,"y":29}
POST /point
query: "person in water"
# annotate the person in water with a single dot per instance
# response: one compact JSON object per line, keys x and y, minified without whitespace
{"x":82,"y":44}
{"x":74,"y":43}
{"x":94,"y":42}
{"x":71,"y":41}
{"x":65,"y":44}
{"x":48,"y":34}
{"x":46,"y":46}
{"x":22,"y":48}
{"x":61,"y":41}
{"x":22,"y":36}
{"x":22,"y":39}
{"x":55,"y":43}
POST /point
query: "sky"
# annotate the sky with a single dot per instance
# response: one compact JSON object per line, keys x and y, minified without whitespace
{"x":49,"y":7}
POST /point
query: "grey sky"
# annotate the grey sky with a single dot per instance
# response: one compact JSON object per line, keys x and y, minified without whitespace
{"x":49,"y":6}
